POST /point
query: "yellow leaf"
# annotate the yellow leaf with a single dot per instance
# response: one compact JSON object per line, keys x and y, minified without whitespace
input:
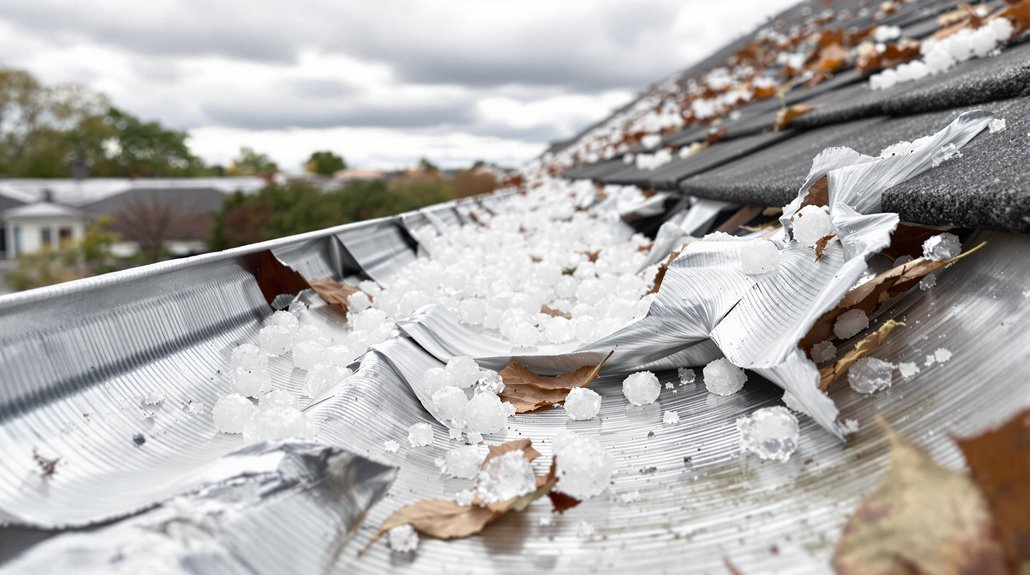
{"x":922,"y":518}
{"x":786,"y":116}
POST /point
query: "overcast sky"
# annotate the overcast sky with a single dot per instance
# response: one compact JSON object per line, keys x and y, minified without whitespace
{"x":381,"y":82}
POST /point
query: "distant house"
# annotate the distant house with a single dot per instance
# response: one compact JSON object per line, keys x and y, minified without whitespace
{"x":30,"y":228}
{"x":171,"y":216}
{"x":357,"y":174}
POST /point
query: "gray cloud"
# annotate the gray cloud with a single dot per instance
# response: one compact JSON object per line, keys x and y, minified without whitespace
{"x":261,"y":117}
{"x":412,"y":67}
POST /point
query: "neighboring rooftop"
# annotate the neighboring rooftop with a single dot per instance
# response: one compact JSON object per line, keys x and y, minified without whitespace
{"x":42,"y":210}
{"x":90,"y":190}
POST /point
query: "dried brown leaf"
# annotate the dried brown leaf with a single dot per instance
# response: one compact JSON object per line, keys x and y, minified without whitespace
{"x":592,"y":256}
{"x":820,"y":245}
{"x":660,"y":276}
{"x":334,"y":293}
{"x":439,"y":518}
{"x":446,"y":519}
{"x":553,"y":312}
{"x":865,"y":346}
{"x":999,"y":462}
{"x":868,"y":296}
{"x":921,"y":518}
{"x":831,"y":58}
{"x":786,"y":116}
{"x":818,"y":194}
{"x":275,"y":278}
{"x":529,"y":391}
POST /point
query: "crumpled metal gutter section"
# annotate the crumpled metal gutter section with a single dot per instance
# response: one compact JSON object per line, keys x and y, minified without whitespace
{"x":697,"y":494}
{"x":77,"y":359}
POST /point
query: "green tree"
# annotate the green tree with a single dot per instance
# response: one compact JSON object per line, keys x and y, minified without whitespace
{"x":325,"y":163}
{"x":278,"y":211}
{"x":252,"y":163}
{"x":34,"y":119}
{"x":67,"y":129}
{"x":118,"y":144}
{"x":426,"y":166}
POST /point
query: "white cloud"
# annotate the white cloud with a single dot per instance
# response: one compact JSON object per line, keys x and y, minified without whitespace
{"x":381,"y":83}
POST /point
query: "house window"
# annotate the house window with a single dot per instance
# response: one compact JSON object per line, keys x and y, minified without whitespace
{"x":3,"y":240}
{"x":64,"y":234}
{"x":45,"y":237}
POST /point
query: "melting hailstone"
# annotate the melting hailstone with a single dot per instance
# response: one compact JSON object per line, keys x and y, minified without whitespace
{"x":870,"y":375}
{"x":770,"y":433}
{"x":641,"y":388}
{"x":942,"y":247}
{"x":811,"y":224}
{"x":449,"y":402}
{"x":850,"y":323}
{"x":463,"y":462}
{"x":463,"y":370}
{"x":723,"y":378}
{"x":584,"y":467}
{"x":504,"y":477}
{"x":402,"y":539}
{"x":420,"y":435}
{"x":582,"y":403}
{"x":484,"y":413}
{"x":232,"y":412}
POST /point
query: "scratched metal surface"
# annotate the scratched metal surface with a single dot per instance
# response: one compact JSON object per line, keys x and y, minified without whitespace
{"x":97,"y":347}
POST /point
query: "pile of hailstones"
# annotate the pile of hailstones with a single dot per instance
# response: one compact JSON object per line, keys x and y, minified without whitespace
{"x":496,"y":278}
{"x":535,"y":253}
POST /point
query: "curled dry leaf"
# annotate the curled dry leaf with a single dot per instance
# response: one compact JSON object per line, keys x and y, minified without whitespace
{"x":529,"y":391}
{"x":831,"y":58}
{"x":786,"y":116}
{"x":820,"y":246}
{"x":998,"y":462}
{"x":660,"y":276}
{"x":871,"y":59}
{"x":275,"y":278}
{"x":868,"y":296}
{"x":446,"y":519}
{"x":553,"y":312}
{"x":818,"y":194}
{"x":865,"y":346}
{"x":922,"y":518}
{"x":334,"y":294}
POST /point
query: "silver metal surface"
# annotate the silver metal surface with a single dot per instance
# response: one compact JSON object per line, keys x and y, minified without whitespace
{"x":287,"y":512}
{"x":77,"y":359}
{"x":763,"y":516}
